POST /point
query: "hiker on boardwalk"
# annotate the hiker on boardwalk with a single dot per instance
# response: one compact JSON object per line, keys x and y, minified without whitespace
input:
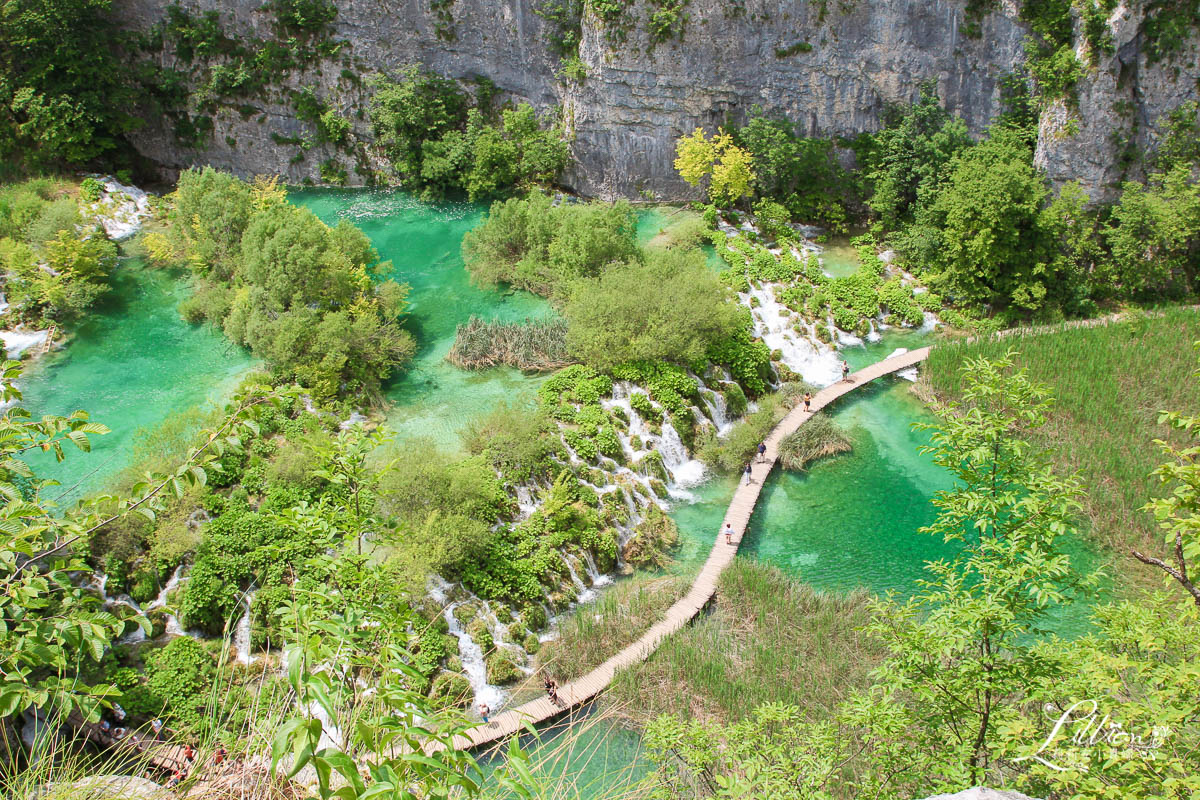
{"x":552,"y":690}
{"x":808,"y":401}
{"x":728,"y":533}
{"x":219,"y":756}
{"x":189,"y":753}
{"x":845,"y":370}
{"x":484,"y":711}
{"x":762,"y":451}
{"x":750,"y":472}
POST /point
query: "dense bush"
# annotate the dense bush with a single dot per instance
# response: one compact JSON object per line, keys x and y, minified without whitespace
{"x":670,"y":307}
{"x":298,"y":293}
{"x":438,"y":143}
{"x":533,"y":243}
{"x":64,"y":98}
{"x":54,"y":265}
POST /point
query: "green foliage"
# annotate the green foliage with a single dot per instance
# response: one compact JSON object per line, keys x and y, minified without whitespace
{"x":740,"y":445}
{"x":670,"y":307}
{"x":995,"y":246}
{"x":298,"y":293}
{"x":533,"y":244}
{"x":439,"y":144}
{"x":180,"y":675}
{"x":728,"y":168}
{"x":1168,"y":26}
{"x":517,"y":440}
{"x":1153,"y":234}
{"x":910,"y":157}
{"x":802,"y":174}
{"x":1050,"y":52}
{"x":63,"y":98}
{"x":748,"y":361}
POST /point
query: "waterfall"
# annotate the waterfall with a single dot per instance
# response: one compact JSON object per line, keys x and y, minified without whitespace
{"x":583,"y":594}
{"x":685,"y":470}
{"x":241,"y":634}
{"x":816,"y":363}
{"x":593,"y":572}
{"x":473,"y":663}
{"x":874,"y":335}
{"x":930,"y":322}
{"x":718,"y":412}
{"x":525,"y":502}
{"x":172,"y":582}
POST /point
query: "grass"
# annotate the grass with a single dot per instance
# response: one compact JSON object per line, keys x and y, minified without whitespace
{"x":771,"y":639}
{"x":1109,"y":382}
{"x":817,"y":438}
{"x":536,"y":346}
{"x":596,"y":632}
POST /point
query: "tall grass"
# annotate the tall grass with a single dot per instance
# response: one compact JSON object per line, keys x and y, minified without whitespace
{"x":1109,"y":382}
{"x":538,"y":345}
{"x":817,"y":438}
{"x":771,"y":639}
{"x":598,"y":631}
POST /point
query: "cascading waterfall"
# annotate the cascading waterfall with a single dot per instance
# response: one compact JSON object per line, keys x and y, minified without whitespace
{"x":241,"y":634}
{"x":473,"y":663}
{"x":583,"y":594}
{"x":816,"y":363}
{"x":525,"y":502}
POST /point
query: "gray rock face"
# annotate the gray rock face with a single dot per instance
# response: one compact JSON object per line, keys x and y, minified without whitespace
{"x":625,"y":116}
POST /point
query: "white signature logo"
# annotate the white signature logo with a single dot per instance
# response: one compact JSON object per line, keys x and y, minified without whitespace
{"x":1086,"y":728}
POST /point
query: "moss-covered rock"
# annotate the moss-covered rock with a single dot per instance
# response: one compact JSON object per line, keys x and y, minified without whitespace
{"x":450,"y":690}
{"x":534,"y":617}
{"x":531,"y":643}
{"x":653,"y":540}
{"x":502,"y":668}
{"x":651,"y":465}
{"x":659,"y":488}
{"x":481,"y":634}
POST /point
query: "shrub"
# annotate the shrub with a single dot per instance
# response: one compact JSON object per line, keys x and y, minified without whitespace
{"x":816,"y":438}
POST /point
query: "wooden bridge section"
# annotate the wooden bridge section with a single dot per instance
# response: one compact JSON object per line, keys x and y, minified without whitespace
{"x":681,"y":613}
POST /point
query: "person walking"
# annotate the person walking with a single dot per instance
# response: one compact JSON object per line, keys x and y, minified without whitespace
{"x":728,"y":533}
{"x":808,"y":401}
{"x":845,"y":370}
{"x":762,"y":451}
{"x":750,"y":472}
{"x":484,"y":711}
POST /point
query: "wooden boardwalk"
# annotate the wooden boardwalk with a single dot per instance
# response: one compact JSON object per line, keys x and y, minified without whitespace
{"x":741,"y":507}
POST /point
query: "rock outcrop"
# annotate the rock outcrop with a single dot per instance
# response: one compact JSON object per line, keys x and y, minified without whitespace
{"x":832,"y":66}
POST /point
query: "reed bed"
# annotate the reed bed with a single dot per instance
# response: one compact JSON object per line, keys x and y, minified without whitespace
{"x":1109,"y":382}
{"x":819,"y":437}
{"x":599,"y":630}
{"x":531,"y":346}
{"x":770,"y":639}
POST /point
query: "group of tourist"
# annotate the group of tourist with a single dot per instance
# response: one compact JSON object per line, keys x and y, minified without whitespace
{"x":548,"y":683}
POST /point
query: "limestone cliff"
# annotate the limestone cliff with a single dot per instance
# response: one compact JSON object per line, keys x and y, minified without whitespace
{"x":830,"y":65}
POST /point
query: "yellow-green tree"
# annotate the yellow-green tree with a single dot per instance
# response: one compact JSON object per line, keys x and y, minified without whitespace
{"x":728,"y":167}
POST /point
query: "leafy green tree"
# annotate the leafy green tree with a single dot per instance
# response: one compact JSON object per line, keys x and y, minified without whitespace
{"x":63,"y":97}
{"x":909,"y":157}
{"x":801,"y":173}
{"x":533,"y":244}
{"x":1178,"y":514}
{"x":1154,"y":235}
{"x":52,"y":630}
{"x":342,"y":463}
{"x":728,"y":168}
{"x":418,"y":107}
{"x":309,"y":299}
{"x":671,"y":307}
{"x":994,"y":246}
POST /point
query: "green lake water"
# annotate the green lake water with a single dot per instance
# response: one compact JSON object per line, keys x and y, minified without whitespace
{"x":132,"y":363}
{"x":433,"y":399}
{"x":850,"y":521}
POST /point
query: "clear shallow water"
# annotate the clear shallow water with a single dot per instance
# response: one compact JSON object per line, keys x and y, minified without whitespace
{"x":432,"y":398}
{"x":132,"y":363}
{"x":585,"y":755}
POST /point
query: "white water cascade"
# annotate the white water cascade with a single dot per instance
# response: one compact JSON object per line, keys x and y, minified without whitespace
{"x":241,"y":634}
{"x":817,"y":363}
{"x":473,"y":663}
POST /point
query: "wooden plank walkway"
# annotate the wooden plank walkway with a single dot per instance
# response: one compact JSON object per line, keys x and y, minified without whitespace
{"x":684,"y":610}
